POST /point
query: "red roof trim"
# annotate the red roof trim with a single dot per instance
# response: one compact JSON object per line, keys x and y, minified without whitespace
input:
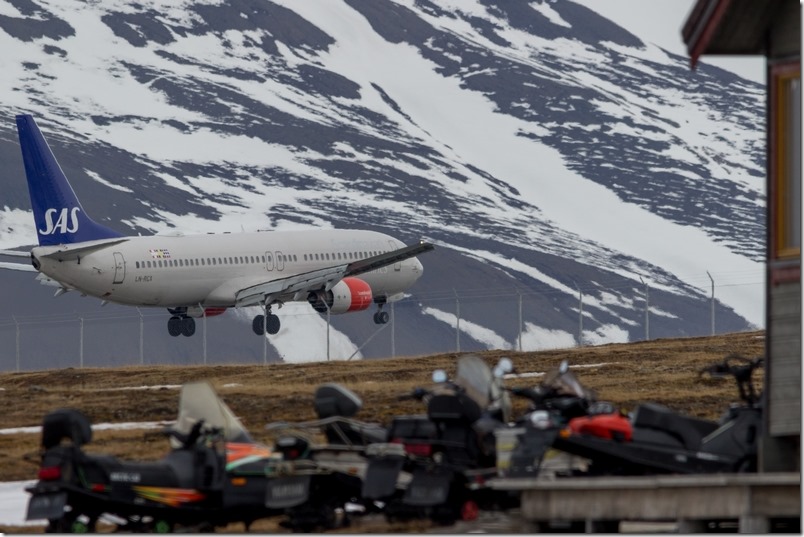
{"x":706,"y":27}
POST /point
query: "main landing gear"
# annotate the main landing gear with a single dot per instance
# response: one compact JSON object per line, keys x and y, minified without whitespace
{"x":380,"y":316}
{"x":180,"y":324}
{"x":268,"y":323}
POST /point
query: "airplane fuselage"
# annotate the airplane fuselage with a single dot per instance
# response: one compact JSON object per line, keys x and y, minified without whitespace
{"x":208,"y":270}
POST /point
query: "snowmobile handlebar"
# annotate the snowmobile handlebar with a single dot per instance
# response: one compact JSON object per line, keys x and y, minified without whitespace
{"x":741,"y":368}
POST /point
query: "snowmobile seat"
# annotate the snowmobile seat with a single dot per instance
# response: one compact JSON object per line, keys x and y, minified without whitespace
{"x":458,"y":407}
{"x":689,"y":430}
{"x":66,"y":423}
{"x":332,"y":399}
{"x":417,"y":427}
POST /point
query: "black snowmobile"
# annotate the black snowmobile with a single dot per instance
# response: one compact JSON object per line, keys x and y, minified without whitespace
{"x":657,"y":440}
{"x":317,"y":485}
{"x":436,"y":465}
{"x":213,"y":475}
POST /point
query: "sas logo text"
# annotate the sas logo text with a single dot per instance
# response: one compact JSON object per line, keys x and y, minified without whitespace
{"x":67,"y":221}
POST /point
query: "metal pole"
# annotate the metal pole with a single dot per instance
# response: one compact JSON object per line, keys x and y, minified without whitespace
{"x":393,"y":332}
{"x":142,"y":356}
{"x":519,"y":339}
{"x":265,"y":336}
{"x":81,"y":345}
{"x":328,"y":319}
{"x":457,"y":323}
{"x":204,"y":316}
{"x":18,"y":342}
{"x":580,"y":315}
{"x":647,"y":309}
{"x":713,"y":301}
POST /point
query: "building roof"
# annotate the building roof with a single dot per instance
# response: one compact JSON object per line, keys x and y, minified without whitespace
{"x":728,"y":27}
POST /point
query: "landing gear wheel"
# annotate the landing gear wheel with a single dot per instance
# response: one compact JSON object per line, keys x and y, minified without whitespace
{"x":272,"y":324}
{"x":258,"y":325}
{"x":174,"y":326}
{"x":187,"y":326}
{"x":381,"y":317}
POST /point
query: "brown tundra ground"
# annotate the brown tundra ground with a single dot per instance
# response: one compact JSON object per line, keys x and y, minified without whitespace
{"x":666,"y":371}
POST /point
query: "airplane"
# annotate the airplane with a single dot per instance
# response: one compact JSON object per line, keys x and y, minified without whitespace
{"x":335,"y":270}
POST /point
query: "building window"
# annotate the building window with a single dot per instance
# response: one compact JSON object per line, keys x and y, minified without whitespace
{"x":786,"y":155}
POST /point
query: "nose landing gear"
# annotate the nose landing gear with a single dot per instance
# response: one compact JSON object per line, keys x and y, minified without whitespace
{"x":381,"y":317}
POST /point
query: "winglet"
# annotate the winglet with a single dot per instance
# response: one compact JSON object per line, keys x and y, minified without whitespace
{"x":59,"y":217}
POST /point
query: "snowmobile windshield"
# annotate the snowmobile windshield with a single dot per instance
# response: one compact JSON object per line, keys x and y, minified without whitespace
{"x":562,"y":381}
{"x":475,"y":377}
{"x":198,"y":401}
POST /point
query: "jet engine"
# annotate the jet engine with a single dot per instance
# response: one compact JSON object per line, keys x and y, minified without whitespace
{"x":349,"y":294}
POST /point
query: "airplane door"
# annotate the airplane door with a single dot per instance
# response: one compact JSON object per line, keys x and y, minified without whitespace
{"x":398,"y":264}
{"x":119,"y":268}
{"x":269,"y":261}
{"x":280,"y":261}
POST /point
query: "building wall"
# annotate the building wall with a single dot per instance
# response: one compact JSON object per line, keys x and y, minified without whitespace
{"x":785,"y":33}
{"x":784,"y":348}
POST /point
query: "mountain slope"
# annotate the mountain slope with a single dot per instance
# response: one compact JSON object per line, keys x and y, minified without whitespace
{"x":545,"y":149}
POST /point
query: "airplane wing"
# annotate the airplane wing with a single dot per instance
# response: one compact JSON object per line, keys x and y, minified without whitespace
{"x":15,"y":253}
{"x":325,"y":278}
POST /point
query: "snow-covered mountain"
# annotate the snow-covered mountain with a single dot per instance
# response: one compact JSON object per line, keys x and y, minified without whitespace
{"x":546,"y":150}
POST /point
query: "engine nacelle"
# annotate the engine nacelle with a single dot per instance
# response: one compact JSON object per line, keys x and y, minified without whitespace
{"x":349,"y":294}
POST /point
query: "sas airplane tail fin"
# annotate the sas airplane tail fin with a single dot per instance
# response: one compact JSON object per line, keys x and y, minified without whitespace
{"x":58,"y":214}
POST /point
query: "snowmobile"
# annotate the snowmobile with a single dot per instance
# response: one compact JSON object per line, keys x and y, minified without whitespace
{"x":317,"y":484}
{"x":656,"y":440}
{"x":436,"y":465}
{"x":213,"y":475}
{"x":557,"y":400}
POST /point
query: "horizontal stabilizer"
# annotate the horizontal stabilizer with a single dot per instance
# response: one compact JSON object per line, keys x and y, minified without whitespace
{"x":18,"y":266}
{"x":15,"y":253}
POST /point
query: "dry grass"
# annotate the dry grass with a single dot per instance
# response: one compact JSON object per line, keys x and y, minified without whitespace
{"x":665,"y":371}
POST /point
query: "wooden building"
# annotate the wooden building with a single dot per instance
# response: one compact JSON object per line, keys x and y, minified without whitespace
{"x":771,"y":28}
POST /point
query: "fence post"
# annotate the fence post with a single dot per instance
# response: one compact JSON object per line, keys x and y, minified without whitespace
{"x":713,"y":301}
{"x":17,"y":324}
{"x":457,"y":322}
{"x":519,"y":342}
{"x":142,"y":339}
{"x":393,"y":332}
{"x":647,"y":309}
{"x":580,"y":315}
{"x":81,"y":345}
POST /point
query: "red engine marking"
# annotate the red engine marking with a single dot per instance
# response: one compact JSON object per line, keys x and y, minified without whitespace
{"x":361,"y":294}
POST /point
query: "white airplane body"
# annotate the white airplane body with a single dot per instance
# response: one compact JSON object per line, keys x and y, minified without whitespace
{"x":336,"y":271}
